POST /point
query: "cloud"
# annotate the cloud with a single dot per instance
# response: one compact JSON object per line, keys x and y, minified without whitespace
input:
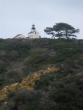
{"x":17,"y":16}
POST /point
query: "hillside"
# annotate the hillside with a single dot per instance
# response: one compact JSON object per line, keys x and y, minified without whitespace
{"x":41,"y":74}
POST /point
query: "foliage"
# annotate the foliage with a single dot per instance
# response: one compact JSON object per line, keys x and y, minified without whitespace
{"x":41,"y":74}
{"x":62,"y":30}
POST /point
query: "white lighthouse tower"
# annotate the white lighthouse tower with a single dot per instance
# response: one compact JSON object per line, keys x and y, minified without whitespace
{"x":33,"y":34}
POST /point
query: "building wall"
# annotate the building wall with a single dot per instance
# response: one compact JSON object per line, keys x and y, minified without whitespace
{"x":34,"y":35}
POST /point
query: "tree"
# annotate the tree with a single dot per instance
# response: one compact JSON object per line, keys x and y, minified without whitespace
{"x":50,"y":31}
{"x":62,"y":30}
{"x":65,"y":30}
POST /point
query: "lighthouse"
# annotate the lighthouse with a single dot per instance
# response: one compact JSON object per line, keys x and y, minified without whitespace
{"x":33,"y":34}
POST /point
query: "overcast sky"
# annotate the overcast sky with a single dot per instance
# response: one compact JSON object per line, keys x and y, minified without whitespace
{"x":17,"y":16}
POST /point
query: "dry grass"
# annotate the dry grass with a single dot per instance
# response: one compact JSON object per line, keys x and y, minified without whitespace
{"x":26,"y":83}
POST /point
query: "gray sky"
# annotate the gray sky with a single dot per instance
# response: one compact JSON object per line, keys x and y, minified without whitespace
{"x":17,"y":16}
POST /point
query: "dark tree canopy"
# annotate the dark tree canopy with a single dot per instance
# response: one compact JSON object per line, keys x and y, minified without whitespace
{"x":49,"y":31}
{"x":62,"y":30}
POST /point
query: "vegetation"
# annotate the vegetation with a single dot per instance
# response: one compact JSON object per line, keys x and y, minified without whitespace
{"x":62,"y":30}
{"x":41,"y":74}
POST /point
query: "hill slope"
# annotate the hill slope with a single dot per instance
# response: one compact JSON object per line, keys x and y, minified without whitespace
{"x":38,"y":74}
